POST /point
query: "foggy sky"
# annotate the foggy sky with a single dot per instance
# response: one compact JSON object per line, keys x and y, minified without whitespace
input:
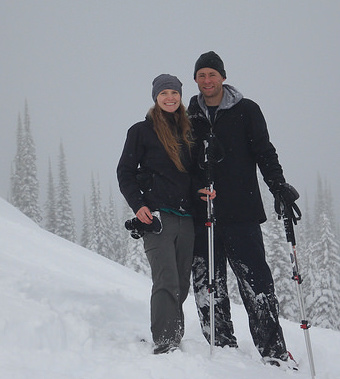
{"x":86,"y":67}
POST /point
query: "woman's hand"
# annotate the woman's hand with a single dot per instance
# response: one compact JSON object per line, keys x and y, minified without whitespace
{"x":144,"y":215}
{"x":205,"y":192}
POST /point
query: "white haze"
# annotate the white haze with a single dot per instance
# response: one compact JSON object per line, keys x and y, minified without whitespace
{"x":69,"y":313}
{"x":86,"y":67}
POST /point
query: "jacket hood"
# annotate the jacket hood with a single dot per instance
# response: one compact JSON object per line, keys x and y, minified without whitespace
{"x":231,"y":97}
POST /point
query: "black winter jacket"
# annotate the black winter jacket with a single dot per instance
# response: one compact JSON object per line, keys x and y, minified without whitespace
{"x":167,"y":186}
{"x":241,"y":130}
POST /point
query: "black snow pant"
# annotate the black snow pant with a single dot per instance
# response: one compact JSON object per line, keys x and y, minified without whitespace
{"x":242,"y":246}
{"x":170,"y":256}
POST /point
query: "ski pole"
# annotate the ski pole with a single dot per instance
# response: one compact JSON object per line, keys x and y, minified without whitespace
{"x":208,"y":147}
{"x":211,"y":287}
{"x":289,"y":229}
{"x":213,"y":154}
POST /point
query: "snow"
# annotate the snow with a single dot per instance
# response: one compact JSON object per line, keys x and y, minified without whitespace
{"x":69,"y":313}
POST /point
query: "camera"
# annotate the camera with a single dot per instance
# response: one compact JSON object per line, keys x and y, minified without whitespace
{"x":138,"y":228}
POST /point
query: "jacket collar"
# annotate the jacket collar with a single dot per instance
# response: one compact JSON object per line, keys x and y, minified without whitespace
{"x":231,"y":96}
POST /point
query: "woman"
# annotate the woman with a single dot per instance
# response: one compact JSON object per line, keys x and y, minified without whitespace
{"x":154,"y":175}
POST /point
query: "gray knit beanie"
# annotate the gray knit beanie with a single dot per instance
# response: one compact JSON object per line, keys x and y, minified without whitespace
{"x":211,"y":60}
{"x":165,"y":81}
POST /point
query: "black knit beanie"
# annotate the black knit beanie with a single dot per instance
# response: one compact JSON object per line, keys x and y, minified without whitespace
{"x":211,"y":60}
{"x":165,"y":81}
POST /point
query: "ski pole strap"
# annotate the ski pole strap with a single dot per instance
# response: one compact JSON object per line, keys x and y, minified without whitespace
{"x":293,"y":212}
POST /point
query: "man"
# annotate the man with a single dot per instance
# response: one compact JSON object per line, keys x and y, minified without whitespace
{"x":242,"y":139}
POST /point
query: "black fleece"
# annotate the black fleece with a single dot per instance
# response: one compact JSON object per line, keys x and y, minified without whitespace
{"x":169,"y":187}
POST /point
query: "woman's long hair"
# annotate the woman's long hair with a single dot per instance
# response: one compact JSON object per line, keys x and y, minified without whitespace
{"x":171,"y":138}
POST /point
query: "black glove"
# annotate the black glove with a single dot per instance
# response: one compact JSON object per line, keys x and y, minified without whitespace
{"x":285,"y":196}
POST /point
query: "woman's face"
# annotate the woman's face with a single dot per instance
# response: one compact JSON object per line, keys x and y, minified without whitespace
{"x":169,"y":100}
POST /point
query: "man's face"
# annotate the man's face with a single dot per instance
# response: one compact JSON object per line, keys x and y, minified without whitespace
{"x":210,"y":83}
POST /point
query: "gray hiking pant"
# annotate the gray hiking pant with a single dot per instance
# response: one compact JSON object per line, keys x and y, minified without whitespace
{"x":170,"y":256}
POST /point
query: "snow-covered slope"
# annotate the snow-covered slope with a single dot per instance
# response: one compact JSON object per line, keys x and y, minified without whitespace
{"x":68,"y":313}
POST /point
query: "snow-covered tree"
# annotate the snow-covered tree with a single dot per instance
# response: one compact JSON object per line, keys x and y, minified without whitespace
{"x":278,"y":258}
{"x":86,"y":228}
{"x":330,"y":209}
{"x":325,"y":310}
{"x":323,"y":301}
{"x":135,"y":257}
{"x":17,"y":178}
{"x":65,"y":219}
{"x":319,"y":209}
{"x":25,"y":185}
{"x":94,"y":218}
{"x":305,"y":242}
{"x":51,"y":205}
{"x":98,"y":234}
{"x":115,"y":232}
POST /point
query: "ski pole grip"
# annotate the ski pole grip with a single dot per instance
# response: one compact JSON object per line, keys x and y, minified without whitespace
{"x":289,"y":229}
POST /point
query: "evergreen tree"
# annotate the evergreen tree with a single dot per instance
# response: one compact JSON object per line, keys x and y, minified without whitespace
{"x":103,"y":241}
{"x":135,"y":257}
{"x":305,"y":242}
{"x":98,"y":236}
{"x":31,"y":185}
{"x":51,"y":205}
{"x":326,"y":286}
{"x":65,"y":219}
{"x":114,"y":231}
{"x":17,"y":178}
{"x":278,"y":253}
{"x":319,"y":208}
{"x":10,"y":196}
{"x":25,"y":185}
{"x":94,"y":211}
{"x":86,"y":229}
{"x":126,"y":214}
{"x":277,"y":256}
{"x":325,"y":265}
{"x":330,"y":209}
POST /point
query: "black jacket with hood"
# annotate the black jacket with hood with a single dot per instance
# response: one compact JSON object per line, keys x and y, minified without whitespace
{"x":145,"y":165}
{"x":241,"y":130}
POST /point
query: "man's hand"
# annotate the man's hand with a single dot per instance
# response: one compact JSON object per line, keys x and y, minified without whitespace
{"x":144,"y":215}
{"x":285,"y":196}
{"x":205,"y":192}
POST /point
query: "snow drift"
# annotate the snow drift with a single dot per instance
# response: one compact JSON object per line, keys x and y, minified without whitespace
{"x":67,"y":312}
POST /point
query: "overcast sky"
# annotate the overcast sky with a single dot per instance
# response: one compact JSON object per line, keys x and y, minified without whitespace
{"x":86,"y":67}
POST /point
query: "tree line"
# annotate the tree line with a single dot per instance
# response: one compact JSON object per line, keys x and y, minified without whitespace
{"x":103,"y":231}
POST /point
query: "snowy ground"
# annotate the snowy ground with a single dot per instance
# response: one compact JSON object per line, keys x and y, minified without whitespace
{"x":68,"y":313}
